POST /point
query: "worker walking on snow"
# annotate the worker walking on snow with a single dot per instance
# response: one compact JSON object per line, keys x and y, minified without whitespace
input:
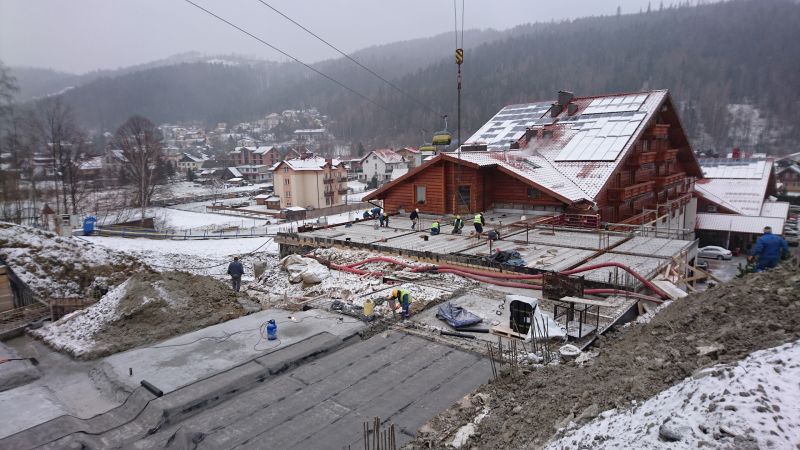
{"x":768,"y":250}
{"x":402,"y":296}
{"x":478,"y":223}
{"x":236,"y":270}
{"x":458,"y":224}
{"x":414,"y":218}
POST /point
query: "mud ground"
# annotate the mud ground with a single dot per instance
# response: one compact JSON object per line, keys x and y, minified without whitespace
{"x":157,"y":306}
{"x":634,"y":363}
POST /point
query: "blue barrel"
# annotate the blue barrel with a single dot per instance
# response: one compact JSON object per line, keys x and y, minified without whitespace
{"x":88,"y":225}
{"x":272,"y":330}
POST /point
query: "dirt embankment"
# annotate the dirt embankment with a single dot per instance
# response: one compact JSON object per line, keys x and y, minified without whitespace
{"x":55,"y":266}
{"x":635,"y":363}
{"x":147,"y":308}
{"x":159,"y":306}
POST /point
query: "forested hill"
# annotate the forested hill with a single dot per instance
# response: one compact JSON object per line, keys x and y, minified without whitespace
{"x":733,"y":67}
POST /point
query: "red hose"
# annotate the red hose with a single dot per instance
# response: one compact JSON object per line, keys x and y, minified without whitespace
{"x":635,"y":274}
{"x":490,"y":280}
{"x":485,"y":277}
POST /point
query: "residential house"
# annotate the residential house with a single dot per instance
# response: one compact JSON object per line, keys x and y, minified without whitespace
{"x":313,"y":134}
{"x":412,"y":156}
{"x":189,"y":161}
{"x":256,"y":173}
{"x":380,"y":163}
{"x":788,"y":175}
{"x":312,"y":182}
{"x":612,"y":158}
{"x":734,"y":204}
{"x":263,"y":155}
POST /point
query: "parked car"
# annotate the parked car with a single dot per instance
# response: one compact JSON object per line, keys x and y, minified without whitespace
{"x":714,"y":252}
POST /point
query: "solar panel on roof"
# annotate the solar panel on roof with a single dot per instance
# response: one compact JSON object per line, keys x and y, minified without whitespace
{"x":600,"y":138}
{"x":617,"y":104}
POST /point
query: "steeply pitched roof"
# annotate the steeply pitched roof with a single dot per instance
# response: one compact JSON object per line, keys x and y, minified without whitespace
{"x":387,"y":155}
{"x":736,"y":184}
{"x":313,"y":163}
{"x":585,"y":147}
{"x":571,"y":156}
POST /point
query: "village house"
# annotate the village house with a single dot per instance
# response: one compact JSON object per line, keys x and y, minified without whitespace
{"x":734,"y":204}
{"x":263,"y":155}
{"x":256,"y":173}
{"x":788,"y":173}
{"x":191,"y":162}
{"x":613,"y":158}
{"x":412,"y":156}
{"x":311,"y":182}
{"x":380,"y":164}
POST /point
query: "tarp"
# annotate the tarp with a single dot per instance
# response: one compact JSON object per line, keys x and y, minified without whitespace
{"x":510,"y":258}
{"x":306,"y":270}
{"x":456,"y":316}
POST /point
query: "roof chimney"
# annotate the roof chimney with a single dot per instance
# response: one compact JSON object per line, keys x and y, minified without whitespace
{"x":555,"y":109}
{"x":564,"y":97}
{"x":572,"y":108}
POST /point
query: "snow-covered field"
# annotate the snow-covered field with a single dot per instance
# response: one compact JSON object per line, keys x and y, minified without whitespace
{"x":752,"y":404}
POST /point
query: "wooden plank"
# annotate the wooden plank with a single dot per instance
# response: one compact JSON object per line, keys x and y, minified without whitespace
{"x":586,"y":301}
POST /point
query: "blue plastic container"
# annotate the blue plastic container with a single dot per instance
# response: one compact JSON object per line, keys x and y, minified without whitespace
{"x":272,"y":330}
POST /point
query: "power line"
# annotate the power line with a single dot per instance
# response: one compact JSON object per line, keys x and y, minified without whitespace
{"x":288,"y":55}
{"x":395,"y":87}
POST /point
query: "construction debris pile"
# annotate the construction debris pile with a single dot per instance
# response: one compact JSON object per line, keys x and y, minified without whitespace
{"x":326,"y":276}
{"x":147,"y":308}
{"x":61,"y":267}
{"x":720,"y":326}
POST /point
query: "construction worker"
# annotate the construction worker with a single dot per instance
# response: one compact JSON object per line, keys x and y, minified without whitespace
{"x":366,"y":214}
{"x":458,"y":224}
{"x":435,"y":228}
{"x":236,"y":270}
{"x":402,"y":296}
{"x":414,"y":218}
{"x":768,"y":250}
{"x":477,"y":222}
{"x":384,"y":218}
{"x":381,"y":216}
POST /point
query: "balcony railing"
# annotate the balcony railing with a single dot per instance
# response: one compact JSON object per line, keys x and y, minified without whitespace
{"x":328,"y":180}
{"x":667,"y":155}
{"x":622,"y":194}
{"x":661,"y":131}
{"x":669,"y":179}
{"x":638,"y":159}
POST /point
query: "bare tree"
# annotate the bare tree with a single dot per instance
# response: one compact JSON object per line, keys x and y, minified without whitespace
{"x":63,"y":139}
{"x":140,"y":142}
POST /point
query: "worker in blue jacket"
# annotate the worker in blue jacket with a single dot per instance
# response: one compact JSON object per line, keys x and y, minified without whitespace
{"x":768,"y":250}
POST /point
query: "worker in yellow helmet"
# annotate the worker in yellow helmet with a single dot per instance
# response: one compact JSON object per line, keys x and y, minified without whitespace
{"x":458,"y":224}
{"x":402,"y":296}
{"x":477,"y":222}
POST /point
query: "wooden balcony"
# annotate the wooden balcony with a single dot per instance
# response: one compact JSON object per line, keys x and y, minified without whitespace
{"x":667,"y":155}
{"x":328,"y":180}
{"x":661,"y":131}
{"x":669,"y":179}
{"x":638,"y":159}
{"x":342,"y":191}
{"x":622,"y":194}
{"x":644,"y":175}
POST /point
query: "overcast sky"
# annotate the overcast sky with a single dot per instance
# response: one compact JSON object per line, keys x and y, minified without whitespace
{"x":82,"y":35}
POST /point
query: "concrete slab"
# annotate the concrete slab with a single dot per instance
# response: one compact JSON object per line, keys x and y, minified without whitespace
{"x":188,"y":358}
{"x":539,"y":256}
{"x":653,"y":246}
{"x":441,"y":243}
{"x":560,"y":237}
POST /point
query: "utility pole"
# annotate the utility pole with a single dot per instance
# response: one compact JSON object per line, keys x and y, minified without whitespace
{"x":459,"y":61}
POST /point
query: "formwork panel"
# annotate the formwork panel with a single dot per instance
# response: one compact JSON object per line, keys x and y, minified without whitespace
{"x":645,"y":266}
{"x":568,"y":238}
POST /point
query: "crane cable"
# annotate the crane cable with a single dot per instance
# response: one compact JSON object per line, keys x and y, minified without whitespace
{"x":372,"y":72}
{"x":457,"y":195}
{"x":308,"y":66}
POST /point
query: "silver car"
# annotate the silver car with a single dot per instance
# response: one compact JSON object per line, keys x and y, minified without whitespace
{"x":714,"y":252}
